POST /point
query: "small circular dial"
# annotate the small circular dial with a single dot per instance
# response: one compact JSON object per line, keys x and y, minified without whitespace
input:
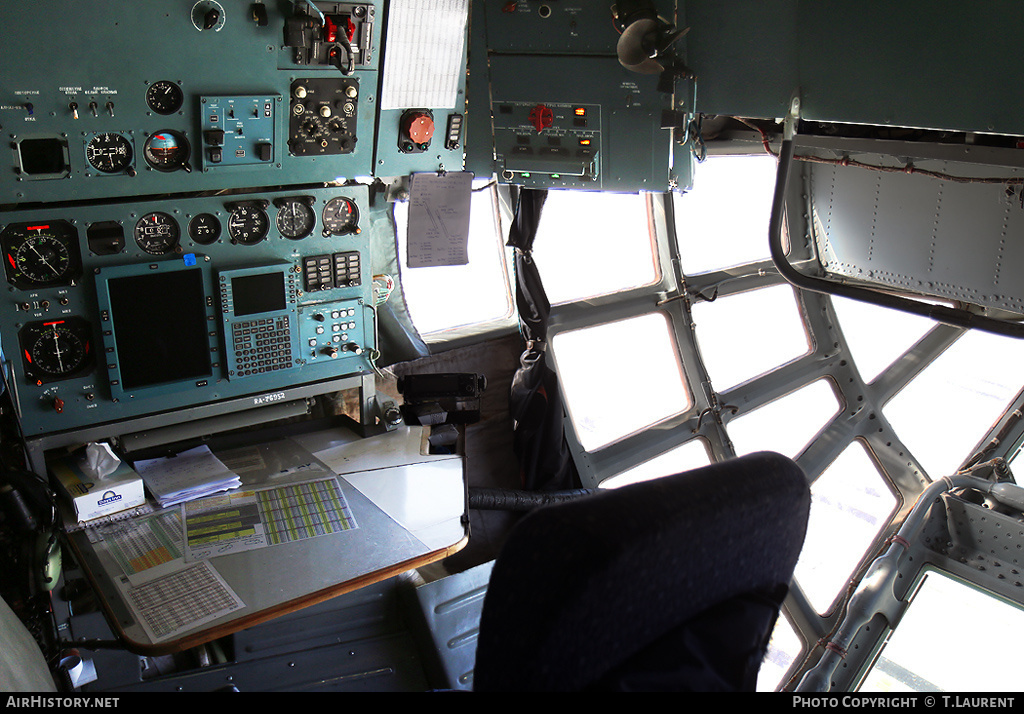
{"x":157,"y":233}
{"x":295,"y":218}
{"x":341,"y":217}
{"x":204,"y":228}
{"x":55,"y":350}
{"x":41,"y":255}
{"x":248,"y":224}
{"x":167,"y":151}
{"x":164,"y":97}
{"x":109,"y":152}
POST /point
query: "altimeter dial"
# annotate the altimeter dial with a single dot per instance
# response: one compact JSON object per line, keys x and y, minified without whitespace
{"x":295,"y":218}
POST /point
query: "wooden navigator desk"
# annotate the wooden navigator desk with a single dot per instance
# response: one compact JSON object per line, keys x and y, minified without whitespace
{"x":408,"y":507}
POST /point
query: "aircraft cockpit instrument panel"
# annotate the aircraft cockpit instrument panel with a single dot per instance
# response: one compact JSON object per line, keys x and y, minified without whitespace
{"x":120,"y":310}
{"x":173,"y":100}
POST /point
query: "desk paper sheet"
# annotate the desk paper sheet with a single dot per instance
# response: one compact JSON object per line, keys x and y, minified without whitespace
{"x":175,"y":603}
{"x":143,"y":546}
{"x":245,"y":520}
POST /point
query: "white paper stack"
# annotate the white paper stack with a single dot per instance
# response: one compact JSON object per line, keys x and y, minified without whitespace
{"x":186,"y":476}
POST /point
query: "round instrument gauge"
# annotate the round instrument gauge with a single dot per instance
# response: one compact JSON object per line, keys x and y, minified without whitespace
{"x":109,"y":152}
{"x":248,"y":224}
{"x":204,"y":228}
{"x":55,"y":349}
{"x":341,"y":217}
{"x":157,"y":233}
{"x":41,"y":255}
{"x":295,"y":218}
{"x":164,"y":97}
{"x":167,"y":151}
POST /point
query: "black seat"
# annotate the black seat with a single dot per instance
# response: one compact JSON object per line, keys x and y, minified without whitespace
{"x":670,"y":585}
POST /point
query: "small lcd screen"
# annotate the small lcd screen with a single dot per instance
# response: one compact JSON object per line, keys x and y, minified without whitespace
{"x":42,"y":156}
{"x":253,"y":294}
{"x":160,"y":327}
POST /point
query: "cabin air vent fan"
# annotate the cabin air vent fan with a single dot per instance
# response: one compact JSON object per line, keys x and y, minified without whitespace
{"x":645,"y":42}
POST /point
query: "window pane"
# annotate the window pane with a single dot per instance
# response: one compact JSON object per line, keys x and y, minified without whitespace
{"x":783,"y":649}
{"x":877,"y":335}
{"x":742,"y":336}
{"x":592,"y":243}
{"x":691,"y":455}
{"x":850,"y":504}
{"x":943,"y":413}
{"x":612,"y":392}
{"x":930,"y":651}
{"x":449,"y":296}
{"x":723,"y":220}
{"x":786,"y":425}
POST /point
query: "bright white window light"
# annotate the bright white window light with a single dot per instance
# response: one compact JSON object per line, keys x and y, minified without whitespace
{"x":691,"y":455}
{"x":591,"y":243}
{"x":850,"y":503}
{"x":783,"y":649}
{"x":788,"y":424}
{"x":745,"y":335}
{"x":940,"y":645}
{"x":944,"y":412}
{"x":598,"y":365}
{"x":877,"y":335}
{"x":445,"y":297}
{"x":723,"y":220}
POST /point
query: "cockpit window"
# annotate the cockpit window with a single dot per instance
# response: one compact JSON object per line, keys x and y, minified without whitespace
{"x":591,"y":243}
{"x":744,"y":335}
{"x":785,"y":425}
{"x":444,"y":297}
{"x":691,"y":455}
{"x":723,"y":220}
{"x":877,"y":336}
{"x":938,"y":645}
{"x":943,"y":413}
{"x":850,"y":503}
{"x":603,"y":367}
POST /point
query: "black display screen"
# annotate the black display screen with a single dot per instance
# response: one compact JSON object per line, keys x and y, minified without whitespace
{"x":253,"y":294}
{"x":160,"y":327}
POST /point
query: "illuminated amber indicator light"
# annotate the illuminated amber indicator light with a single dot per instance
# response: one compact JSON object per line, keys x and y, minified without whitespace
{"x":584,"y":142}
{"x":580,"y":112}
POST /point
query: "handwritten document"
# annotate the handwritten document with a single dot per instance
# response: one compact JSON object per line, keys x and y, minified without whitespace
{"x":438,"y":232}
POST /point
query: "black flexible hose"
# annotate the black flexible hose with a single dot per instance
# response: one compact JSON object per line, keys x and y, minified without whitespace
{"x":500,"y":499}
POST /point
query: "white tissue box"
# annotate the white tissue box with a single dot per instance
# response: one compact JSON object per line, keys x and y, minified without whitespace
{"x":94,"y":497}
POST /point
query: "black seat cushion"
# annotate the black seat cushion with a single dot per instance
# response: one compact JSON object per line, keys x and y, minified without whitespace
{"x":582,"y":589}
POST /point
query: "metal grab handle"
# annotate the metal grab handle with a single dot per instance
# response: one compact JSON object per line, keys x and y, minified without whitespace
{"x":947,"y":315}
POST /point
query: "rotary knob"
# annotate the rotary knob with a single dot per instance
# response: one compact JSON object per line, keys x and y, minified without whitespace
{"x":541,"y":117}
{"x":419,"y":127}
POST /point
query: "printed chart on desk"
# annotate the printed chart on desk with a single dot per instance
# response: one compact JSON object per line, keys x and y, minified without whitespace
{"x":243,"y":520}
{"x":163,"y":557}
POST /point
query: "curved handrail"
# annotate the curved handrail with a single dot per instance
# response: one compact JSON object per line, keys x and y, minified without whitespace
{"x":956,"y":317}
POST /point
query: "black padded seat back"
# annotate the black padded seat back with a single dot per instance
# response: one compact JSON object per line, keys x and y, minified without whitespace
{"x":670,"y":584}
